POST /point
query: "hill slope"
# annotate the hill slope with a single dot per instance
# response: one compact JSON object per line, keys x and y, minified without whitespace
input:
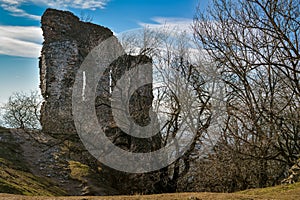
{"x":15,"y":174}
{"x":22,"y":177}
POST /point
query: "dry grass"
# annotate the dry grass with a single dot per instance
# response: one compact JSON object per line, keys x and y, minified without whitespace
{"x":288,"y":192}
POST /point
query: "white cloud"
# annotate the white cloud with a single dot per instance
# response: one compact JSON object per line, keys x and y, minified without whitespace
{"x":83,"y":4}
{"x":13,"y":6}
{"x":178,"y":24}
{"x":24,"y":41}
{"x":163,"y":33}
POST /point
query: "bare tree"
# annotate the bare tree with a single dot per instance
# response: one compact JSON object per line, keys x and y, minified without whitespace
{"x":255,"y":45}
{"x":22,"y":110}
{"x":178,"y":84}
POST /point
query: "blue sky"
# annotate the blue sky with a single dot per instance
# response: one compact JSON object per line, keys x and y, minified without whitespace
{"x":21,"y":36}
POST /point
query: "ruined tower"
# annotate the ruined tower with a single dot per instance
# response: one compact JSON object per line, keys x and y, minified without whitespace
{"x":67,"y":41}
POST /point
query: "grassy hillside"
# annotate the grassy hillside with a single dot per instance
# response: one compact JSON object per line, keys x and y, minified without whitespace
{"x":15,"y":176}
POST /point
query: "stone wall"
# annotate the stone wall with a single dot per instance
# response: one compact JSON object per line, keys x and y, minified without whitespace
{"x":67,"y":41}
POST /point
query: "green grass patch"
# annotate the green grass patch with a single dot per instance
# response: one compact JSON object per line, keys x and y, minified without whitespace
{"x":18,"y":182}
{"x":79,"y":171}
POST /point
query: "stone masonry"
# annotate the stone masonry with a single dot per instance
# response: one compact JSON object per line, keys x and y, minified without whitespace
{"x":67,"y":41}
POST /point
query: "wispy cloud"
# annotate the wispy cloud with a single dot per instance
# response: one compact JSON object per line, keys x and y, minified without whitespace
{"x":179,"y":24}
{"x":13,"y":6}
{"x":83,"y":4}
{"x":21,"y":41}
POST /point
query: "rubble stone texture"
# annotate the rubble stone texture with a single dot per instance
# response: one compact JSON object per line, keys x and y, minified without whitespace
{"x":67,"y":41}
